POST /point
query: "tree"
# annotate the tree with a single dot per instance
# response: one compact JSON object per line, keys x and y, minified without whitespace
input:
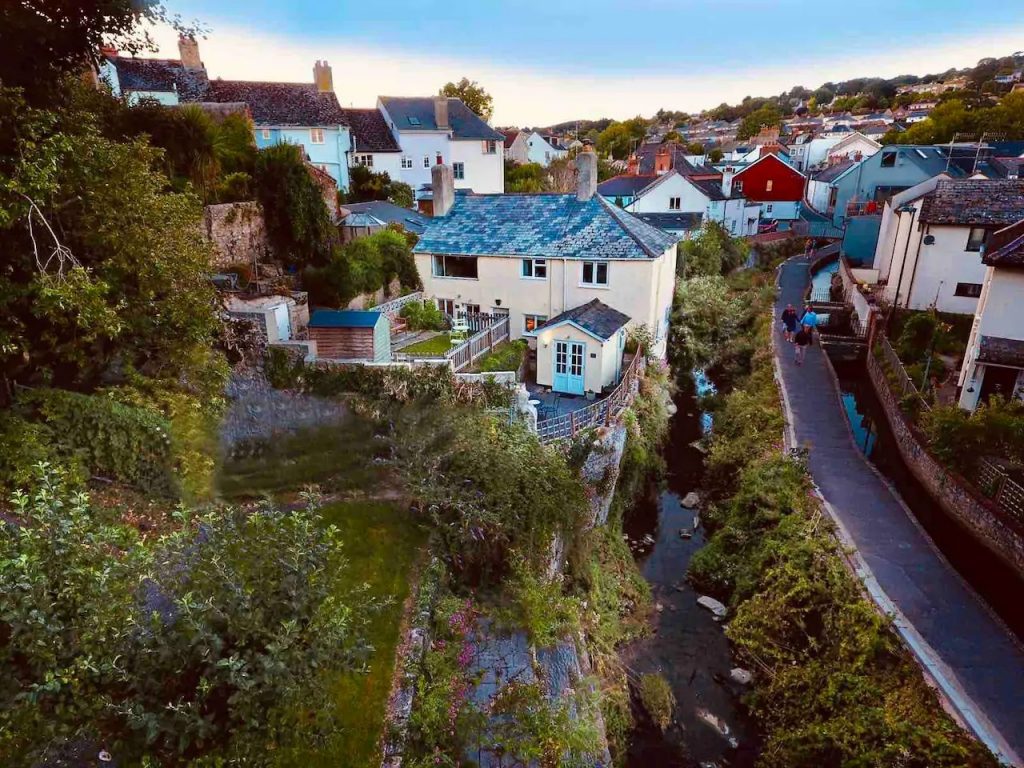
{"x":472,"y":94}
{"x":716,"y":155}
{"x":298,"y":222}
{"x":695,"y":148}
{"x":712,"y":252}
{"x":766,"y":117}
{"x":365,"y":184}
{"x":619,"y":139}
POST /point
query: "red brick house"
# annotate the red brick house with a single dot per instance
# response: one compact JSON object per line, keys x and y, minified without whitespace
{"x":777,"y":186}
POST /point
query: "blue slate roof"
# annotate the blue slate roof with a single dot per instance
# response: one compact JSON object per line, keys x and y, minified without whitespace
{"x":542,"y":226}
{"x":672,"y":222}
{"x":344,"y":318}
{"x":595,"y":316}
{"x":417,"y":114}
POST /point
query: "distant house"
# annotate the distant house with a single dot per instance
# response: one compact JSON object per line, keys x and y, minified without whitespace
{"x":772,"y":183}
{"x":580,"y":350}
{"x":852,"y":146}
{"x":436,"y":129}
{"x":543,"y":149}
{"x":351,"y":334}
{"x":516,"y":149}
{"x":533,"y":257}
{"x":373,"y":144}
{"x":305,"y":114}
{"x":932,"y":236}
{"x":994,"y":361}
{"x":821,"y":189}
{"x":361,"y":219}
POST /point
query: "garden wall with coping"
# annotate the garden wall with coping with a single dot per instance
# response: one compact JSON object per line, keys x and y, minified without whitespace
{"x":953,"y":493}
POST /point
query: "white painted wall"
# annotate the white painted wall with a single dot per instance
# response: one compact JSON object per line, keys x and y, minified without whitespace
{"x":998,"y":314}
{"x":818,"y":193}
{"x":932,"y":271}
{"x":484,"y":172}
{"x":785,"y":210}
{"x":657,"y":198}
{"x":388,"y":162}
{"x":539,"y":151}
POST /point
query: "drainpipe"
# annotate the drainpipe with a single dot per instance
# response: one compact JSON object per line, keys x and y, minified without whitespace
{"x":906,"y":250}
{"x":917,"y":258}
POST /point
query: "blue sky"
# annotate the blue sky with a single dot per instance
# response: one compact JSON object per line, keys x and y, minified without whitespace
{"x":556,"y":60}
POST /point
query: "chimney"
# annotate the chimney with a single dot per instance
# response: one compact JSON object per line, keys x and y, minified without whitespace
{"x":441,"y":111}
{"x":586,"y":176}
{"x":662,"y":160}
{"x":188,"y":51}
{"x":442,"y":184}
{"x":633,"y":166}
{"x":323,"y":79}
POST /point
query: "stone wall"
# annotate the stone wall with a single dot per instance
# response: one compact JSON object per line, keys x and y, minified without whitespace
{"x":953,"y":493}
{"x":237,"y":231}
{"x":368,"y":300}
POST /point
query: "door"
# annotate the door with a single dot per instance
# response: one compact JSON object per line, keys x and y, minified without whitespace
{"x":569,"y":366}
{"x":998,"y":381}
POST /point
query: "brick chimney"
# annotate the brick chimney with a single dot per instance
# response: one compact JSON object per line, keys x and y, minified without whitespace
{"x":323,"y":78}
{"x":633,"y":166}
{"x":188,"y":51}
{"x":586,"y":176}
{"x":441,"y":111}
{"x":663,"y":160}
{"x":442,"y":184}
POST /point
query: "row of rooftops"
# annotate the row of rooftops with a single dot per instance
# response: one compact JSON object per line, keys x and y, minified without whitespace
{"x":995,"y":160}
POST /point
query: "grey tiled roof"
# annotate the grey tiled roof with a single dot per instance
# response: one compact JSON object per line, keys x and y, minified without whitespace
{"x":389,"y":213}
{"x":370,"y":131}
{"x":710,"y":187}
{"x":284,"y":104}
{"x":542,"y":226}
{"x":417,"y":114}
{"x":626,"y":185}
{"x":161,"y":75}
{"x":1001,"y":351}
{"x":672,"y":222}
{"x":833,"y":172}
{"x":978,"y":202}
{"x":594,"y":316}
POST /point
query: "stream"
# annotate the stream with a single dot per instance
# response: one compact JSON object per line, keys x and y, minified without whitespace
{"x":687,"y":646}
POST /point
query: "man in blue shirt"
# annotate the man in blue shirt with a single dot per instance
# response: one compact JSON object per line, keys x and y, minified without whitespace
{"x":810,"y":319}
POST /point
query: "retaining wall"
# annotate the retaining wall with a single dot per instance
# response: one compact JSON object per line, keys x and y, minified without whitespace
{"x":237,"y":232}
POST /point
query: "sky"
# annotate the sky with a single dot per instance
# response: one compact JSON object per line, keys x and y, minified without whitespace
{"x":553,"y":60}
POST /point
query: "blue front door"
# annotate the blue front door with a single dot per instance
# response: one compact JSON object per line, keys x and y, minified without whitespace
{"x":569,"y":356}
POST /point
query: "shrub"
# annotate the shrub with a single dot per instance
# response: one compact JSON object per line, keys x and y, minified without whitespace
{"x":23,"y":446}
{"x":364,"y":265}
{"x":657,"y":698}
{"x":958,"y":438}
{"x":505,"y":357}
{"x":423,"y":316}
{"x":235,"y":187}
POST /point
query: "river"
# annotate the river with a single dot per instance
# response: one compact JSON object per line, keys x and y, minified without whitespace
{"x":687,"y":646}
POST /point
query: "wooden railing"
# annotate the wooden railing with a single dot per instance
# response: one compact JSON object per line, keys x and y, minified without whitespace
{"x":602,"y":413}
{"x":479,"y":344}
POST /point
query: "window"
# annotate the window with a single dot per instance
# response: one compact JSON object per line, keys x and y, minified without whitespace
{"x":674,"y":203}
{"x":406,"y":161}
{"x":414,"y":121}
{"x":455,"y":266}
{"x":970,"y":290}
{"x":490,"y":147}
{"x":316,"y":135}
{"x":426,"y":161}
{"x":737,"y":186}
{"x":595,"y":273}
{"x":533,"y":322}
{"x":547,"y":157}
{"x":439,"y":159}
{"x":619,"y":202}
{"x":768,"y":208}
{"x":447,"y":306}
{"x":365,"y":160}
{"x":889,"y":159}
{"x":459,"y":170}
{"x":472,"y":309}
{"x":265,"y":133}
{"x":768,"y":185}
{"x":976,"y":238}
{"x":536,"y":269}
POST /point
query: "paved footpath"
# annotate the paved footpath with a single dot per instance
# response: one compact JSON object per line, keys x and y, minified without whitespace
{"x":969,"y":653}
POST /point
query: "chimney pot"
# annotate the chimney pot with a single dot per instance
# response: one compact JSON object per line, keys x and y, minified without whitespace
{"x":442,"y":184}
{"x":323,"y":77}
{"x":586,"y":176}
{"x":188,"y":51}
{"x":441,"y":111}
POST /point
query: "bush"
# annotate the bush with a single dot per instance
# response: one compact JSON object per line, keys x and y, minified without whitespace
{"x":959,"y":439}
{"x":363,"y":266}
{"x":23,"y":446}
{"x":505,"y":357}
{"x":657,"y":698}
{"x":423,"y":316}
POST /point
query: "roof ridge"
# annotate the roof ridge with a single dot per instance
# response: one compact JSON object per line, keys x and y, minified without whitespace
{"x":617,"y":214}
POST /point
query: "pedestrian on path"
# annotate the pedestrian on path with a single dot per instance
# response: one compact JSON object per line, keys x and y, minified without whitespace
{"x":802,"y":342}
{"x":810,"y":319}
{"x":788,"y":322}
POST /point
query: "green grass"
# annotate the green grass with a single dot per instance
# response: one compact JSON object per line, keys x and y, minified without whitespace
{"x":382,"y":543}
{"x":507,"y":356}
{"x":435,"y":345}
{"x":338,"y":458}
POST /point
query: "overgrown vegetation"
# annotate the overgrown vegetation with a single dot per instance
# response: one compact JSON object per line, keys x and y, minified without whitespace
{"x":423,"y":316}
{"x":507,"y":356}
{"x":365,"y":265}
{"x":657,"y":699}
{"x":960,"y":439}
{"x":366,"y":184}
{"x":712,"y":252}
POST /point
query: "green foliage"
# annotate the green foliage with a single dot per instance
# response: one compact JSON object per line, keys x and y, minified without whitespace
{"x":24,"y":445}
{"x":365,"y":265}
{"x":298,"y":223}
{"x":959,"y":439}
{"x":507,"y":356}
{"x":657,"y":698}
{"x":365,"y":184}
{"x":957,"y":115}
{"x":716,"y":155}
{"x":619,"y":139}
{"x":767,"y":116}
{"x":208,"y":641}
{"x":705,"y":315}
{"x":423,"y":316}
{"x":435,"y":346}
{"x":472,"y":94}
{"x":538,"y":606}
{"x":712,"y":252}
{"x":524,"y":177}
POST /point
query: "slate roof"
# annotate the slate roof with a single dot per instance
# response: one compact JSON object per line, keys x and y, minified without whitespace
{"x":1005,"y":248}
{"x":542,"y":226}
{"x":672,"y":222}
{"x":595,"y":316}
{"x":344,"y":318}
{"x":280,"y":104}
{"x":464,"y":123}
{"x":977,"y":202}
{"x":162,"y":75}
{"x":626,"y":185}
{"x":833,"y":172}
{"x":1008,"y":148}
{"x":370,"y":131}
{"x":710,"y":187}
{"x":1001,"y":351}
{"x":389,"y":213}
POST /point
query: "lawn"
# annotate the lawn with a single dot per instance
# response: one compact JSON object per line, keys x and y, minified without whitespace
{"x":435,"y":346}
{"x":382,"y":543}
{"x":507,"y":356}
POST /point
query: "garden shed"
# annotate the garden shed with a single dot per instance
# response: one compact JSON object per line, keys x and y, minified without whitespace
{"x":351,"y":334}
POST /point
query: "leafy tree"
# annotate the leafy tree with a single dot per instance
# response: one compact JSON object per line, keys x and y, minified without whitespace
{"x":765,"y":117}
{"x":364,"y":265}
{"x":619,"y":139}
{"x":712,"y":252}
{"x":525,"y":177}
{"x":472,"y":94}
{"x":716,"y":155}
{"x":298,"y":222}
{"x":366,"y":184}
{"x":216,"y":640}
{"x":695,"y":148}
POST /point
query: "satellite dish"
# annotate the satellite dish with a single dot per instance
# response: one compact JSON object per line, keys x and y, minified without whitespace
{"x":929,"y":239}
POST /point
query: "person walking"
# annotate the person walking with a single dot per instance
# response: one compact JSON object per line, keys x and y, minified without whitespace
{"x":809,"y":319}
{"x":802,"y":341}
{"x":788,"y":322}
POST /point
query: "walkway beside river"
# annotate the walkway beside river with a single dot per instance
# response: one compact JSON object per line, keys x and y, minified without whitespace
{"x":975,"y":660}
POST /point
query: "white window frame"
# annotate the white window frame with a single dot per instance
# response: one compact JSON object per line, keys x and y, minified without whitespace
{"x":426,"y":161}
{"x":595,"y":274}
{"x":316,"y":135}
{"x":534,"y":269}
{"x":538,"y":321}
{"x":365,"y":160}
{"x":459,"y":171}
{"x":490,"y":147}
{"x":406,"y":162}
{"x":675,"y":203}
{"x":265,"y":133}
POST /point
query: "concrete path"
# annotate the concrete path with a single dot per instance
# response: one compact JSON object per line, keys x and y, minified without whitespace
{"x":975,"y":660}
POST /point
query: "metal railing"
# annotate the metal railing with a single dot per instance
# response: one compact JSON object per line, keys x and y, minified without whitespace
{"x":479,"y":344}
{"x":602,"y":413}
{"x":903,"y":383}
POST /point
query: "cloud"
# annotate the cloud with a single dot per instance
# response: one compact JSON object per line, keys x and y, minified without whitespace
{"x":526,"y":96}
